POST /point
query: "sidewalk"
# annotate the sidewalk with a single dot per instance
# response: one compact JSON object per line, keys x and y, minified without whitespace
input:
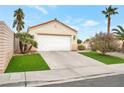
{"x":38,"y":78}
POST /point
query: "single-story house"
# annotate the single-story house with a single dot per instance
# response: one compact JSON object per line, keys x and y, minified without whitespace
{"x":87,"y":44}
{"x":54,"y":36}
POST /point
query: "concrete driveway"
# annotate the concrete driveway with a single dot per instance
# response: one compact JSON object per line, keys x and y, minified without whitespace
{"x":67,"y":65}
{"x":70,"y":60}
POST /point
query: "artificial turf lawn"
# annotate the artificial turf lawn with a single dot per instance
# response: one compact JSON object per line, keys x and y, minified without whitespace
{"x":32,"y":62}
{"x":107,"y":59}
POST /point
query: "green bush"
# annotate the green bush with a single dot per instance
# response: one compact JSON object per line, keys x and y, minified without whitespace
{"x":104,"y":42}
{"x":81,"y":47}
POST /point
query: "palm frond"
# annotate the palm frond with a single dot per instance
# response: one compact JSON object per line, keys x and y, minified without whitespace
{"x":110,"y":11}
{"x":26,"y":38}
{"x":19,"y":19}
{"x":121,"y":28}
{"x":119,"y":32}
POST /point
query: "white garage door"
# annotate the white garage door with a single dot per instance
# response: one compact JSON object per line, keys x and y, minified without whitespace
{"x":54,"y":43}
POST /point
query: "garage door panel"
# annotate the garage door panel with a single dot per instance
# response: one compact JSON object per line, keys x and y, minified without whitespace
{"x":54,"y":43}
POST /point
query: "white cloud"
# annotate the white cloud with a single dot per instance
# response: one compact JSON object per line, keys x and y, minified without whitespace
{"x":40,"y":8}
{"x":90,"y":23}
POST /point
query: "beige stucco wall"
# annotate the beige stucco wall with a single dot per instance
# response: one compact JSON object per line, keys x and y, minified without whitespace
{"x":87,"y":45}
{"x":6,"y":46}
{"x":55,"y":28}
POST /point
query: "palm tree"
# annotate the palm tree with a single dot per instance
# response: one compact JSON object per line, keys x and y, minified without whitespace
{"x":18,"y":22}
{"x":108,"y":12}
{"x":26,"y":42}
{"x":119,"y":32}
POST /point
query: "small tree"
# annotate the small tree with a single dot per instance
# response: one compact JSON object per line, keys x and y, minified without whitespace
{"x":26,"y":42}
{"x":79,"y":41}
{"x":103,"y":42}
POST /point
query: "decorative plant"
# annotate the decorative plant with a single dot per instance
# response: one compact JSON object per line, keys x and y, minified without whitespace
{"x":104,"y":42}
{"x":26,"y":42}
{"x":119,"y":33}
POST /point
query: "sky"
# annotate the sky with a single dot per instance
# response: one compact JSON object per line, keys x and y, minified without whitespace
{"x":87,"y":20}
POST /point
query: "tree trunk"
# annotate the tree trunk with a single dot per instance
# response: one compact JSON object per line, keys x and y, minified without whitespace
{"x":16,"y":45}
{"x":123,"y":47}
{"x":108,"y":26}
{"x":25,"y":47}
{"x":28,"y":49}
{"x":21,"y":46}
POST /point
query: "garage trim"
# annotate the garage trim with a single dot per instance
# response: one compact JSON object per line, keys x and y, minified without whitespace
{"x":53,"y":34}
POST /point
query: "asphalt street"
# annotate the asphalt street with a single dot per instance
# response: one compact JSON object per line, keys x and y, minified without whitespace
{"x":109,"y":81}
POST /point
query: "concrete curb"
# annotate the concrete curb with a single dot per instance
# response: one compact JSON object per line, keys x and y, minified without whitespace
{"x":19,"y":80}
{"x":38,"y":83}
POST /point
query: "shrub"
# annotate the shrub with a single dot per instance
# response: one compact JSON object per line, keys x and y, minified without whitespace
{"x":104,"y":42}
{"x":81,"y":47}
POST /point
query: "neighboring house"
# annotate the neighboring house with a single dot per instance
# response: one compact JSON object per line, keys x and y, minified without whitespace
{"x":87,"y":44}
{"x":120,"y":42}
{"x":54,"y":36}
